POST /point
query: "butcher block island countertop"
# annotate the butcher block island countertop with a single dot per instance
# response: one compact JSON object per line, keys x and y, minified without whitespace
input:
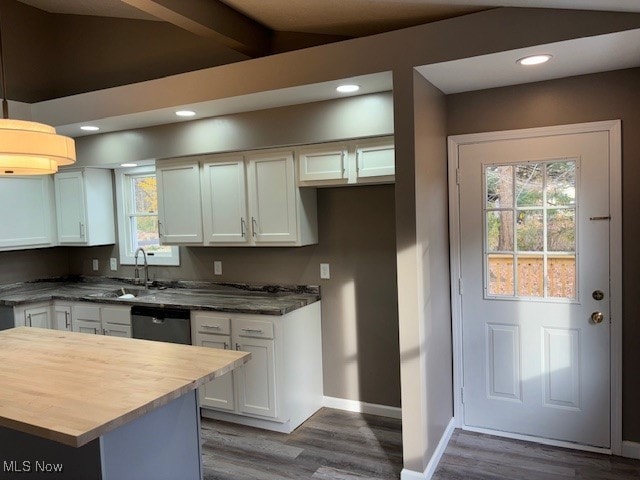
{"x":73,"y":388}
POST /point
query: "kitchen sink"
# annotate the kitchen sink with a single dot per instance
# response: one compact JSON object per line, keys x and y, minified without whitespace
{"x":124,"y":292}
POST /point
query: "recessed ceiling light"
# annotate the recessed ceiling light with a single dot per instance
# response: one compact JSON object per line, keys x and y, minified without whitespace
{"x":348,"y":88}
{"x":89,"y":128}
{"x":128,"y":164}
{"x":534,"y":60}
{"x":185,"y":113}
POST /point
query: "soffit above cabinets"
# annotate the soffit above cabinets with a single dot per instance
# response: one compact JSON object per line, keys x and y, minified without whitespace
{"x":582,"y":56}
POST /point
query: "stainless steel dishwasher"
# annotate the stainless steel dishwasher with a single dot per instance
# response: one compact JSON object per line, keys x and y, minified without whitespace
{"x":161,"y":324}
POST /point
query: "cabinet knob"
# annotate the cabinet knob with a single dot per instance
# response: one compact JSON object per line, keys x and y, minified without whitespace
{"x":226,"y":346}
{"x":238,"y":346}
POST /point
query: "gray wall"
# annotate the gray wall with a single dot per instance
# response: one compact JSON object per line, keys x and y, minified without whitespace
{"x":359,"y":309}
{"x":356,"y":234}
{"x":25,"y":265}
{"x":603,"y":96}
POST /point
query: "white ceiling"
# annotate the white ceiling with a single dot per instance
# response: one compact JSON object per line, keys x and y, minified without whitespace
{"x":574,"y":57}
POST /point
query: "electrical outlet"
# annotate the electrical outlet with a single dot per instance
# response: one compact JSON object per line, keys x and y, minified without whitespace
{"x":95,"y":264}
{"x":325,"y":273}
{"x":217,"y":267}
{"x":113,"y":263}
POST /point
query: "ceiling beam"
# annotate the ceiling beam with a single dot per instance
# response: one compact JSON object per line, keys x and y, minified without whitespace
{"x":214,"y":19}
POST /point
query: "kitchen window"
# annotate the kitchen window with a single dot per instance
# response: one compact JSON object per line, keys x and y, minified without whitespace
{"x":137,"y":201}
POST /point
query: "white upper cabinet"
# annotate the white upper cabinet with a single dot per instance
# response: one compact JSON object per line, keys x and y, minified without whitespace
{"x":323,"y":163}
{"x":352,"y":162}
{"x":253,"y":200}
{"x":27,"y":216}
{"x":179,"y":202}
{"x":224,"y":200}
{"x":272,"y":196}
{"x":375,"y":159}
{"x":84,"y":207}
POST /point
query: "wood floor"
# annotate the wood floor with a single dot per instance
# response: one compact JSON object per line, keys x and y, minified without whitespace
{"x":338,"y":445}
{"x":332,"y":444}
{"x":473,"y":456}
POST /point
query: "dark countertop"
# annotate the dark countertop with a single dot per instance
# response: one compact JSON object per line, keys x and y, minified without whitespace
{"x":235,"y":298}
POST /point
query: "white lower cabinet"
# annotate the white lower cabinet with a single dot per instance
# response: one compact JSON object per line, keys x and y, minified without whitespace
{"x":61,"y":317}
{"x":33,"y":315}
{"x":101,"y":320}
{"x":83,"y":317}
{"x":281,"y":385}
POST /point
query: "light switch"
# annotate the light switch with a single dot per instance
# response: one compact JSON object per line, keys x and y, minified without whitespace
{"x":217,"y":267}
{"x":324,"y":271}
{"x":95,"y":264}
{"x":113,"y":263}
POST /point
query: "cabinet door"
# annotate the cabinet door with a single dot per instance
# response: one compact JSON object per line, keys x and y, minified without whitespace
{"x":37,"y":317}
{"x":322,"y":164}
{"x":62,"y":317}
{"x":179,"y":203}
{"x":272,"y":194}
{"x":224,"y":201}
{"x":377,"y":160}
{"x":26,"y":215}
{"x":87,"y":326}
{"x":219,"y":392}
{"x":70,"y":207}
{"x":116,"y":330}
{"x":256,"y":380}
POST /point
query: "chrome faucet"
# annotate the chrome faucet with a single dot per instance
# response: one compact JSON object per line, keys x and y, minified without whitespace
{"x":136,"y":272}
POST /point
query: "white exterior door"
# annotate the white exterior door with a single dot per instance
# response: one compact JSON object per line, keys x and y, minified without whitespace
{"x":535,"y":296}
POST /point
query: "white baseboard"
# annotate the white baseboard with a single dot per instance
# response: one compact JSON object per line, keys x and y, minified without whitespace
{"x":435,"y":458}
{"x":631,"y":449}
{"x":362,"y":407}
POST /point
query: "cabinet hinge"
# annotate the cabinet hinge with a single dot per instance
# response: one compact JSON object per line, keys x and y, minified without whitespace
{"x":457,"y":176}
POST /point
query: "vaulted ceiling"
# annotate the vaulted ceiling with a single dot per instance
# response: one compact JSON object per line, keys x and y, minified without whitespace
{"x":55,"y":48}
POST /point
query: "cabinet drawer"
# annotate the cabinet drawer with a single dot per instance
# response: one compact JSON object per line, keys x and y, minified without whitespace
{"x":206,"y":323}
{"x":118,"y":315}
{"x":252,"y":328}
{"x":82,"y":312}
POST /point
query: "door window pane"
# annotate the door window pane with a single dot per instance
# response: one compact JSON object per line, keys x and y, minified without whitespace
{"x":499,"y":184}
{"x":561,"y":183}
{"x":561,"y":230}
{"x":501,"y":278}
{"x":531,"y":229}
{"x":529,"y":184}
{"x":561,"y":275}
{"x":530,"y":275}
{"x":500,"y":231}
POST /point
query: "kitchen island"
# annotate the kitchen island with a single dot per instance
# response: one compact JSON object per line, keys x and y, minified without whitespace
{"x":74,"y":405}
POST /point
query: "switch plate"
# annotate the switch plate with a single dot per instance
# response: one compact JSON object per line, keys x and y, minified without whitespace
{"x":217,"y":267}
{"x":113,"y":263}
{"x":95,"y":264}
{"x":325,"y":274}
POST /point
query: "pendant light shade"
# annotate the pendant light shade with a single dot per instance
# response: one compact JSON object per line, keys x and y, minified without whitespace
{"x":31,"y":148}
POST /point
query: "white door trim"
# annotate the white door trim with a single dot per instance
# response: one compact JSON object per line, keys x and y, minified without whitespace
{"x":615,"y":257}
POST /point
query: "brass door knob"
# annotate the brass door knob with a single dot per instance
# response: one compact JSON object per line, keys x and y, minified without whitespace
{"x":597,"y":317}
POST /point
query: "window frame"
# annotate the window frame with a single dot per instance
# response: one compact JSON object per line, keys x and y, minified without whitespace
{"x":122,"y":178}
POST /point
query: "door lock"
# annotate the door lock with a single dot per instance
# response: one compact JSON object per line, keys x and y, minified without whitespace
{"x":597,"y":317}
{"x":597,"y":295}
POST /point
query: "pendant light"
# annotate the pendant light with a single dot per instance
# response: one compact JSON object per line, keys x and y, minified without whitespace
{"x":29,"y":148}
